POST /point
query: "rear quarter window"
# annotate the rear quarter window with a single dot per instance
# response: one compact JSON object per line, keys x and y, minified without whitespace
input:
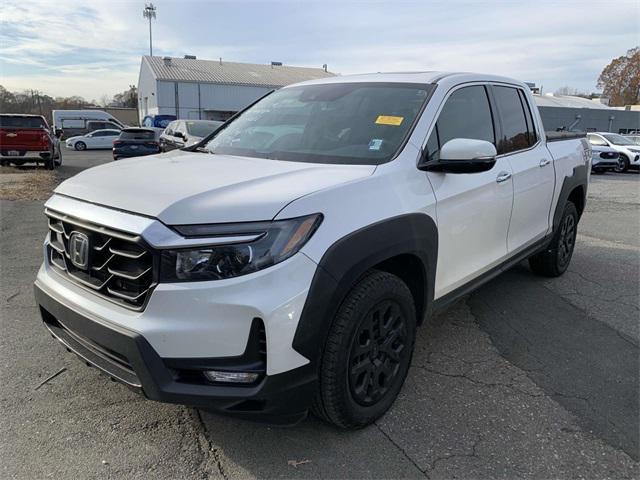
{"x":515,"y":131}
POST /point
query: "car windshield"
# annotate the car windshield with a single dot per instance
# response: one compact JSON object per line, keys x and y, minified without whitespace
{"x":22,"y":122}
{"x":617,"y":139}
{"x":343,"y":123}
{"x":202,"y":129}
{"x":137,"y":135}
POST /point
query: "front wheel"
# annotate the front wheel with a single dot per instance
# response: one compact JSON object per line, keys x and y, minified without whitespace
{"x":80,"y":146}
{"x":367,"y":352}
{"x":623,"y":164}
{"x":554,"y":260}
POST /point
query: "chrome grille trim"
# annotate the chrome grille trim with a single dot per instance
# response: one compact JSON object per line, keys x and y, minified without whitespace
{"x":90,"y":226}
{"x":122,"y":267}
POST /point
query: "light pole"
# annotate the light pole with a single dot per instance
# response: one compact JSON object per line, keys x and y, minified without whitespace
{"x":150,"y":13}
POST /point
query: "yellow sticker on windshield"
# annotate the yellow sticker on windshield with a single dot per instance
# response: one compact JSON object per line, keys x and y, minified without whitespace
{"x":389,"y":120}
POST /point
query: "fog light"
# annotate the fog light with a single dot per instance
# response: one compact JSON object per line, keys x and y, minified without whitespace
{"x":230,"y":377}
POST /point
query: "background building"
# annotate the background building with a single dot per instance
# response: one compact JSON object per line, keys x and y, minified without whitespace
{"x":582,"y":114}
{"x":210,"y":90}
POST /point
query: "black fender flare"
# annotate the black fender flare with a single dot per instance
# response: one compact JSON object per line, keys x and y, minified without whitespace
{"x":579,"y":178}
{"x":349,"y":258}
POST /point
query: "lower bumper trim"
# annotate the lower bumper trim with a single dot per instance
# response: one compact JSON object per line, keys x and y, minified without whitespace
{"x":127,"y":357}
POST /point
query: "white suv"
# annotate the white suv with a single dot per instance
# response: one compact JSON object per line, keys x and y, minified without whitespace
{"x":284,"y":263}
{"x":629,"y":151}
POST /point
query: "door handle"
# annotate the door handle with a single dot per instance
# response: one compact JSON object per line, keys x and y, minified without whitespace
{"x":544,"y":162}
{"x":503,"y":177}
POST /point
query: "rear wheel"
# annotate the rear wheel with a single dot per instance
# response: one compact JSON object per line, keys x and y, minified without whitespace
{"x":80,"y":146}
{"x":555,"y":259}
{"x":623,"y":164}
{"x":49,"y":163}
{"x":367,"y":353}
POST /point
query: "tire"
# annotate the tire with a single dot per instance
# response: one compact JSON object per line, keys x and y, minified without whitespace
{"x":80,"y":146}
{"x":376,"y":322}
{"x":49,"y":163}
{"x":623,"y":164}
{"x":555,"y":259}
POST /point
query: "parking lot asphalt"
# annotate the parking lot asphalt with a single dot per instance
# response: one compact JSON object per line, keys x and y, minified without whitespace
{"x":528,"y":377}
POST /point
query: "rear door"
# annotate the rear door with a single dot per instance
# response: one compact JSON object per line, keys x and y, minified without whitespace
{"x":473,"y":210}
{"x":532,"y":166}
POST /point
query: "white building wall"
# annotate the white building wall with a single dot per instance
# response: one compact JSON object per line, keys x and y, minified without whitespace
{"x":193,"y":100}
{"x":147,"y":95}
{"x":166,"y":98}
{"x":229,"y":97}
{"x":188,"y":100}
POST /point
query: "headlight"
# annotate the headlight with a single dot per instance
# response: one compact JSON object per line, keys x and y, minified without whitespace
{"x":272,"y":242}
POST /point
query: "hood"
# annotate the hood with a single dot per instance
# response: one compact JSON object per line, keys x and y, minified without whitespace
{"x":187,"y":187}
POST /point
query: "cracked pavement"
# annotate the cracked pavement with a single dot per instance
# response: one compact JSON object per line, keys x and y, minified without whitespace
{"x":528,"y":377}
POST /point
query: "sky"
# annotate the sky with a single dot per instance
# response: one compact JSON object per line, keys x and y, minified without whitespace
{"x":93,"y":48}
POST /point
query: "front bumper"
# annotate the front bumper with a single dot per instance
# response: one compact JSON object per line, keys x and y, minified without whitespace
{"x":126,"y":356}
{"x":185,"y":328}
{"x":604,"y":164}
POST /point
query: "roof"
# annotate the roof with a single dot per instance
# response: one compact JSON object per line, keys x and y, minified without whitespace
{"x":447,"y":79}
{"x":231,"y":73}
{"x":568,"y":101}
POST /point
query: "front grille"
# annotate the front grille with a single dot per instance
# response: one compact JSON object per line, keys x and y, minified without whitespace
{"x":608,"y":155}
{"x":120,"y":266}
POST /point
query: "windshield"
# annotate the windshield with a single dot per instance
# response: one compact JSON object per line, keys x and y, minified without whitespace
{"x":22,"y":122}
{"x":202,"y":129}
{"x":617,"y":139}
{"x":350,"y":123}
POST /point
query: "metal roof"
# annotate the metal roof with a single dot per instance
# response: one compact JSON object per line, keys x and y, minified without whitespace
{"x":230,"y":73}
{"x":568,"y":101}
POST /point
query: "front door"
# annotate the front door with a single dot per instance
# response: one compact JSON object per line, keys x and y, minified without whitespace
{"x":473,"y":210}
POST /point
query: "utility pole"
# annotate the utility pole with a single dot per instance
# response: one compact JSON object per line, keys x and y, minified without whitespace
{"x":150,"y":13}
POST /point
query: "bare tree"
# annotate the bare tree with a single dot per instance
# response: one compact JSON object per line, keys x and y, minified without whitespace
{"x":620,"y":80}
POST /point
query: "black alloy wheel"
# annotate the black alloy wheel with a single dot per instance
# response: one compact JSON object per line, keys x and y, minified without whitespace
{"x":567,"y":240}
{"x":376,"y":352}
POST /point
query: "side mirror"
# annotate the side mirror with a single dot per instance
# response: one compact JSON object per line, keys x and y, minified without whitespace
{"x":58,"y":132}
{"x":179,"y":135}
{"x":462,"y":155}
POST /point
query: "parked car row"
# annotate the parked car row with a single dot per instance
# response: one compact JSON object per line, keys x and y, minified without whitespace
{"x":607,"y":145}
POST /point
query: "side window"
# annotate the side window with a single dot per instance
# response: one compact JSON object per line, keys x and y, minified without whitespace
{"x":515,"y":135}
{"x":596,"y":140}
{"x":466,"y":114}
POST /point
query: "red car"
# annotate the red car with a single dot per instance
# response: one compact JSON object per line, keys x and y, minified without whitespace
{"x":27,"y":139}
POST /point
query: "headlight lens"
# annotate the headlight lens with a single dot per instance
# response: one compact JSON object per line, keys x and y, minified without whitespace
{"x":276,"y":242}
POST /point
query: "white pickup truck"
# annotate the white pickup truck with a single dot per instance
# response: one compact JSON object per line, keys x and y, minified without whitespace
{"x":283,"y":264}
